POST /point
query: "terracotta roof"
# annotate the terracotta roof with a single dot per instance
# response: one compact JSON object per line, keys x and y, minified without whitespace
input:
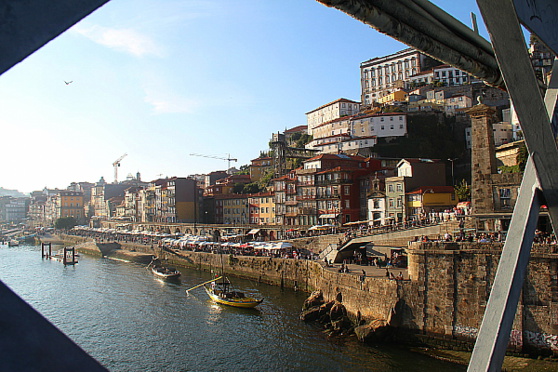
{"x":357,"y":117}
{"x":436,"y":189}
{"x":331,"y":103}
{"x":337,"y":157}
{"x":299,"y":128}
{"x":348,"y":118}
{"x":421,"y":160}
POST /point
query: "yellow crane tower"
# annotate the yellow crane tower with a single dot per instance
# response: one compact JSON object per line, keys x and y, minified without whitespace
{"x":228,"y":158}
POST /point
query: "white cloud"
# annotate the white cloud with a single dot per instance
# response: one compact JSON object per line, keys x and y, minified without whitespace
{"x":168,"y":103}
{"x":125,"y":39}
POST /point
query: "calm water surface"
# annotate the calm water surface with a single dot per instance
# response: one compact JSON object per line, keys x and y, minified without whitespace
{"x":131,"y":321}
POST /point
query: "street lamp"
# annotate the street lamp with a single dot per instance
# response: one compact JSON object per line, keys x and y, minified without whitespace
{"x":452,"y":178}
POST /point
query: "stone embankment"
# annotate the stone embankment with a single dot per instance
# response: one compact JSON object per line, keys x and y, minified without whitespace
{"x":115,"y":250}
{"x":445,"y":299}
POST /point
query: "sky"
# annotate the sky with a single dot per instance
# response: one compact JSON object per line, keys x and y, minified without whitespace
{"x":160,"y":80}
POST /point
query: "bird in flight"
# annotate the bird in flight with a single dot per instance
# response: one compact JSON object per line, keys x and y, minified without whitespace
{"x":68,"y":82}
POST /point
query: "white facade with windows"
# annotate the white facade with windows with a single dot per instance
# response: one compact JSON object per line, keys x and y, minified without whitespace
{"x":379,"y":125}
{"x":449,"y":75}
{"x":381,"y":76}
{"x":331,"y":111}
{"x":455,"y":103}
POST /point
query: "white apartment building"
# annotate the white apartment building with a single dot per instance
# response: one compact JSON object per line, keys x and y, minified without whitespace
{"x":379,"y":125}
{"x":331,"y":111}
{"x":357,"y":132}
{"x":503,"y":133}
{"x":455,"y":103}
{"x":332,"y":128}
{"x":342,"y":143}
{"x":449,"y":75}
{"x":382,"y":75}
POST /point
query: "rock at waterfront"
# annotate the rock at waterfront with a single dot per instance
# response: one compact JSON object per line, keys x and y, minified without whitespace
{"x":376,"y":330}
{"x":337,"y":311}
{"x":310,"y":315}
{"x":342,"y":325}
{"x":326,"y":308}
{"x":315,"y":299}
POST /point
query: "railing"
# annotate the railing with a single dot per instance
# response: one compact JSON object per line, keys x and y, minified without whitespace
{"x":333,"y":182}
{"x":330,"y":248}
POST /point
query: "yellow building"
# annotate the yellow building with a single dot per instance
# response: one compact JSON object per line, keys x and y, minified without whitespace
{"x":428,"y":199}
{"x":262,"y":208}
{"x":397,"y":96}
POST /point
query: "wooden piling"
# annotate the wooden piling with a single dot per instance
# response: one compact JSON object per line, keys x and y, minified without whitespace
{"x":43,"y":253}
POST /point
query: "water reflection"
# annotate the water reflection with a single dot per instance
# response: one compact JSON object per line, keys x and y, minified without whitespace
{"x":131,"y":321}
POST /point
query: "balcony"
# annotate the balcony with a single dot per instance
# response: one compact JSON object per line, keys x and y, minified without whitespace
{"x":291,"y":202}
{"x":306,"y":197}
{"x":331,"y":196}
{"x":334,"y":182}
{"x":308,"y":211}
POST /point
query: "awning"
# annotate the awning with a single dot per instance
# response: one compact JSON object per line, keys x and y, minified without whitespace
{"x":355,"y":223}
{"x":253,"y":231}
{"x":329,"y":215}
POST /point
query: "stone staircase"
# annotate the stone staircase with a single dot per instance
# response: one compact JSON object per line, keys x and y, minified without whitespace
{"x":400,"y":238}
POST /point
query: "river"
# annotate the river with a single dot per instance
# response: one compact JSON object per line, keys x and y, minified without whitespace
{"x":129,"y":320}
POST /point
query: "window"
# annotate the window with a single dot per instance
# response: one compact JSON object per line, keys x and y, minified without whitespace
{"x":505,"y":197}
{"x":391,"y":203}
{"x":399,"y":187}
{"x":347,"y":190}
{"x":390,"y":188}
{"x":382,"y":127}
{"x":347,"y":204}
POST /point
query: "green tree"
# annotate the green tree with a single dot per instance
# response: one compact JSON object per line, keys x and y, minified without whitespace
{"x":237,"y":188}
{"x":463,"y":191}
{"x":251,"y":188}
{"x":65,"y":223}
{"x":521,"y":158}
{"x":264,"y":181}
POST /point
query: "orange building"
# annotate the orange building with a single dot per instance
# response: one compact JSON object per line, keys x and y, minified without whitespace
{"x":70,"y":204}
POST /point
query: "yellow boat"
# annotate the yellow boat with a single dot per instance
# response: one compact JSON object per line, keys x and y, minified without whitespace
{"x":221,"y":294}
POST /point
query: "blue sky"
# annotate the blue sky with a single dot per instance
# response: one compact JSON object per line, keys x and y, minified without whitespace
{"x":159,"y":80}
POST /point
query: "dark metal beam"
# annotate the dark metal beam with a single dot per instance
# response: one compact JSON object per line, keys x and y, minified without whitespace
{"x":29,"y":342}
{"x":424,"y":26}
{"x":27,"y":25}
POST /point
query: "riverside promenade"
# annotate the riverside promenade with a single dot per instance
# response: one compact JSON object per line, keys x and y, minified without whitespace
{"x":441,"y":296}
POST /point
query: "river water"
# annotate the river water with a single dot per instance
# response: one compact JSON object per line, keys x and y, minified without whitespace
{"x":131,"y":321}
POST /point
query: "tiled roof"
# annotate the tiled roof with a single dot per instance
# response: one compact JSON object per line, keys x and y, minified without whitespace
{"x":436,"y":189}
{"x":331,"y":103}
{"x":299,"y":128}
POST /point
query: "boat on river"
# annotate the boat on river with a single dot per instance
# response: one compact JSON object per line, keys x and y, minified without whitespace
{"x":222,"y":293}
{"x":13,"y":243}
{"x":165,"y":272}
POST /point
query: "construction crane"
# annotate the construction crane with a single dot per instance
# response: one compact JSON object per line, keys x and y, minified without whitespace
{"x":116,"y":164}
{"x":228,"y":158}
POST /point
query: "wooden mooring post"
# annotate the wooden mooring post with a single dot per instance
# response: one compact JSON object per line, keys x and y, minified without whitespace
{"x":43,"y":253}
{"x":65,"y":256}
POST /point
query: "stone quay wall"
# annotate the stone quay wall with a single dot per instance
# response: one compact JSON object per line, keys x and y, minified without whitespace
{"x":452,"y":283}
{"x":445,"y":298}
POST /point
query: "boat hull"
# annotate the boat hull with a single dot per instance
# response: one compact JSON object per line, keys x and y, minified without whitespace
{"x":166,"y":275}
{"x":246,"y":302}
